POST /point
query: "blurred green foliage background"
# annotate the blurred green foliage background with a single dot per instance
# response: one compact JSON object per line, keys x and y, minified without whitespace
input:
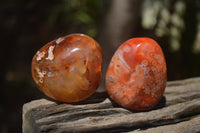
{"x":26,"y":25}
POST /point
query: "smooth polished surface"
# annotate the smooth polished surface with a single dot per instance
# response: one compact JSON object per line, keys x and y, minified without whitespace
{"x":68,"y":69}
{"x":137,"y":74}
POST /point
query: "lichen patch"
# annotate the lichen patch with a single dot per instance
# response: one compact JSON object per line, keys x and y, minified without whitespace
{"x":50,"y":53}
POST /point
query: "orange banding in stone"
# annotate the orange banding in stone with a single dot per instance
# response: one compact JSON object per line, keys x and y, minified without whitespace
{"x":137,"y":74}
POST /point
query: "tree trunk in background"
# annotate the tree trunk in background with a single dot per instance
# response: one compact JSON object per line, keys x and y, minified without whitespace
{"x":120,"y":24}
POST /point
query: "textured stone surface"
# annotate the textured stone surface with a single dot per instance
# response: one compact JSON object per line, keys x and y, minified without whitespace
{"x":137,"y":74}
{"x":177,"y":112}
{"x":68,"y":69}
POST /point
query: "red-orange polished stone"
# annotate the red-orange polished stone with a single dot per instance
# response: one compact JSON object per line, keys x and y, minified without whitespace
{"x":137,"y":74}
{"x":68,"y":69}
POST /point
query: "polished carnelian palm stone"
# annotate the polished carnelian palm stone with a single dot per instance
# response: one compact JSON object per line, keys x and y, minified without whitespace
{"x":68,"y":69}
{"x":137,"y":74}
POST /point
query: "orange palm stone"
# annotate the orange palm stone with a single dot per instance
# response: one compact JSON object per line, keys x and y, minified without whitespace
{"x":68,"y":69}
{"x":137,"y":74}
